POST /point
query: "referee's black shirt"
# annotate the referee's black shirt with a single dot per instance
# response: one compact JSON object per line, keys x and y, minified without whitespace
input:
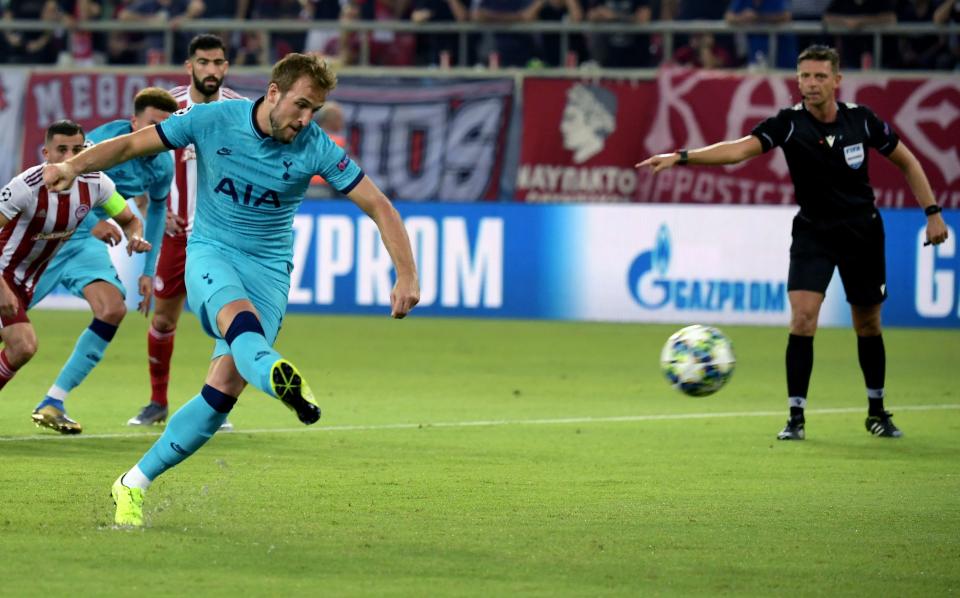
{"x":828,"y":161}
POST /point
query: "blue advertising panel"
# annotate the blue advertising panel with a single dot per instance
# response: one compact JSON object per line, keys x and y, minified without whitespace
{"x":605,"y":262}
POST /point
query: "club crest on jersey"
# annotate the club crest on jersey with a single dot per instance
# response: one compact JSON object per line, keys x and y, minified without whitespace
{"x":82,"y":211}
{"x":853,"y":154}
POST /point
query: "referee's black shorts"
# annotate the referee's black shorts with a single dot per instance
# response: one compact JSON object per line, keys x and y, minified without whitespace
{"x":854,"y":245}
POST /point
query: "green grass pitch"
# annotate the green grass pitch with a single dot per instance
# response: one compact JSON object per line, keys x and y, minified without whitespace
{"x":493,"y":458}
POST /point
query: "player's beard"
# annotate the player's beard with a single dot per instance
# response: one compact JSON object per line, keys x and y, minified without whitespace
{"x":276,"y":130}
{"x":204,"y":85}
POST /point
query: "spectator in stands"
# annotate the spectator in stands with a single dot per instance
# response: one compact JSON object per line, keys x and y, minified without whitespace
{"x":31,"y":47}
{"x":913,"y":51}
{"x":703,"y":52}
{"x":809,"y":10}
{"x":549,"y":50}
{"x":512,"y":49}
{"x":170,"y":12}
{"x":80,"y":44}
{"x":773,"y":12}
{"x":435,"y":45}
{"x":949,"y":12}
{"x":227,"y":9}
{"x":857,"y":50}
{"x":251,"y":51}
{"x":281,"y":44}
{"x":323,"y":41}
{"x":386,"y":47}
{"x":620,"y":49}
{"x":704,"y":10}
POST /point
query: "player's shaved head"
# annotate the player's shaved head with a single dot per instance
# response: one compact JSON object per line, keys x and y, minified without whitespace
{"x":295,"y":66}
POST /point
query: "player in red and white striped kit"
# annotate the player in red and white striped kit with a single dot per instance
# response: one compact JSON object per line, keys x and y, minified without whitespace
{"x":34,"y":223}
{"x":207,"y":65}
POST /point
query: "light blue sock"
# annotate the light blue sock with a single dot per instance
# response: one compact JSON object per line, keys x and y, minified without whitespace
{"x":189,"y":429}
{"x":252,"y":354}
{"x":254,"y":359}
{"x":86,"y":355}
{"x":48,"y":400}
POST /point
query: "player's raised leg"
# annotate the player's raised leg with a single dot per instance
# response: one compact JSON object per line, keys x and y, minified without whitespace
{"x":260,"y":364}
{"x":241,"y":304}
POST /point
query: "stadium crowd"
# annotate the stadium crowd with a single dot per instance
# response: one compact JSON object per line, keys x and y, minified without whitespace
{"x":69,"y":44}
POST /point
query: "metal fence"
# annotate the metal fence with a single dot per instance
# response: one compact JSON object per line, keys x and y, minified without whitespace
{"x":668,"y":30}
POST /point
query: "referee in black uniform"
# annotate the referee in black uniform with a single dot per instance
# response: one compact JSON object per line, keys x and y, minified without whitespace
{"x":825,"y":144}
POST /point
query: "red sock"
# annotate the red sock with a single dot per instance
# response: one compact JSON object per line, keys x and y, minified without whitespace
{"x":159,"y":350}
{"x":7,"y":371}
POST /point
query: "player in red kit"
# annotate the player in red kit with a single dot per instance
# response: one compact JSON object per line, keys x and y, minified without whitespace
{"x":34,"y":224}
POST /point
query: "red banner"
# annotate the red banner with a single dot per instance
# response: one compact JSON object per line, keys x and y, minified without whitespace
{"x":581,"y":139}
{"x":90,"y":99}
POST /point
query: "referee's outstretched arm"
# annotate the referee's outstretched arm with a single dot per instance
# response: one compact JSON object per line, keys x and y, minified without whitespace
{"x":917,"y":179}
{"x":725,"y":152}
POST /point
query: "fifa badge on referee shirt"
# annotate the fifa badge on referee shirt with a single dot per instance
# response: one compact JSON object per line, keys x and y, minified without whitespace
{"x":853,"y":154}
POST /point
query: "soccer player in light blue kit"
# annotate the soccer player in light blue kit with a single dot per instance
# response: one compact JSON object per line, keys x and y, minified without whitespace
{"x":254,"y":163}
{"x":83,"y":264}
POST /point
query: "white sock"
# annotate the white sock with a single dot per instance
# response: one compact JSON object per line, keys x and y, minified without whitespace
{"x":58,"y":393}
{"x":800,"y":402}
{"x":135,"y":479}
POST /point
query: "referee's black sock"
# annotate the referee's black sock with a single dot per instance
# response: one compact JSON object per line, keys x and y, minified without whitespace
{"x":799,"y":367}
{"x":873,"y":363}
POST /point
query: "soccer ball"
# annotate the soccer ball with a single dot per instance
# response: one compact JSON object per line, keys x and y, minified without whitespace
{"x":697,"y":360}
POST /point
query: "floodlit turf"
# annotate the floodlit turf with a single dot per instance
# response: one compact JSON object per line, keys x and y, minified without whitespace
{"x":640,"y":492}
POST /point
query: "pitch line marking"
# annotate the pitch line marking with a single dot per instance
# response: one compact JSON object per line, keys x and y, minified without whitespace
{"x":487,"y":423}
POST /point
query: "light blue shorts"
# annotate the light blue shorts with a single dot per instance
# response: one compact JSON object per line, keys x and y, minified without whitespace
{"x":216,"y":276}
{"x":78,"y":263}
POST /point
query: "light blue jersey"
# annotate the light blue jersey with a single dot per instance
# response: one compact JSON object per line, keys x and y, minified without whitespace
{"x":250,"y":185}
{"x":149,"y":175}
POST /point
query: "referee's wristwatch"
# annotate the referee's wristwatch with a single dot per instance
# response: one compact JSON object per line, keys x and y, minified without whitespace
{"x":931,"y":210}
{"x":684,"y":157}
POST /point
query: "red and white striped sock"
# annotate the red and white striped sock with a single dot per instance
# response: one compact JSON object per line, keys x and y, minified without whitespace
{"x":7,"y":371}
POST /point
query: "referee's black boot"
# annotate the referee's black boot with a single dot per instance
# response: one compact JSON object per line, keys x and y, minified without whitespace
{"x":793,"y":430}
{"x":882,"y":425}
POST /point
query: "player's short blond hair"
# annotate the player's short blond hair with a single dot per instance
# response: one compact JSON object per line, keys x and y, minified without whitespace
{"x":154,"y":97}
{"x":292,"y":67}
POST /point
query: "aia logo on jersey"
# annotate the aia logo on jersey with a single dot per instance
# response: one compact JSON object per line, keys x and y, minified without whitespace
{"x":246,"y":195}
{"x":81,"y":212}
{"x":854,"y":155}
{"x":342,"y":164}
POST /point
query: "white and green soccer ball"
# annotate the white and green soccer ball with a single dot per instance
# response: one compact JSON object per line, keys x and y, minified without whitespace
{"x":697,"y":360}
